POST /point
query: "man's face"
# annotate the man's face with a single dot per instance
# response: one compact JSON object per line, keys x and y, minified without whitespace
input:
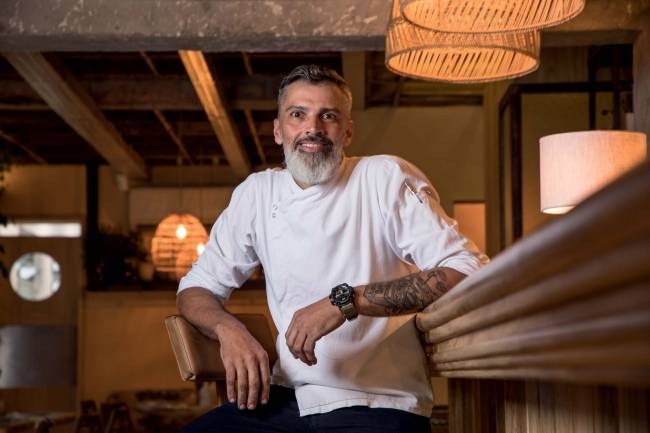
{"x":314,"y":127}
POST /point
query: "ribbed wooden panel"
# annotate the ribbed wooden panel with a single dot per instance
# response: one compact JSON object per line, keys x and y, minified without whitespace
{"x":568,"y":303}
{"x":487,"y":16}
{"x":456,"y":57}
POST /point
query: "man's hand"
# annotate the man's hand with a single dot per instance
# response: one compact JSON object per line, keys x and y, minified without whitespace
{"x":247,"y":366}
{"x":308,"y":325}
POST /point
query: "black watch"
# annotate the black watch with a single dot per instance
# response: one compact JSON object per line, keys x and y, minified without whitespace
{"x":342,"y":296}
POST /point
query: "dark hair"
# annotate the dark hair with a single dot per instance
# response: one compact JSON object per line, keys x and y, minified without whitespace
{"x":314,"y":74}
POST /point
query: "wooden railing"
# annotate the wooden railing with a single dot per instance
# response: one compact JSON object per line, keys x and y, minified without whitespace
{"x":569,"y":302}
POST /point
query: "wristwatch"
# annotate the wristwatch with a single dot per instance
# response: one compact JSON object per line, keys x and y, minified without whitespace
{"x":342,"y":296}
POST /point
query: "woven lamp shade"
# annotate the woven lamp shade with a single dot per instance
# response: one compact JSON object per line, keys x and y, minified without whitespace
{"x":424,"y":54}
{"x":171,"y":253}
{"x":574,"y":165}
{"x":488,"y":16}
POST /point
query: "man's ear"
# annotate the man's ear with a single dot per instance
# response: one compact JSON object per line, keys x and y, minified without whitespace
{"x":349,"y":132}
{"x":277,"y":135}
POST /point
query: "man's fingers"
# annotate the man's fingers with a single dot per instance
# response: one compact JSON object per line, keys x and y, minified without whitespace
{"x":230,"y":383}
{"x":297,"y":348}
{"x":308,"y":348}
{"x":265,"y":375}
{"x":253,"y":382}
{"x":242,"y":386}
{"x":290,"y":338}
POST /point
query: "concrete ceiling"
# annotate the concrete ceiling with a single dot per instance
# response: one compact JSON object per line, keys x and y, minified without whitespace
{"x":254,"y":25}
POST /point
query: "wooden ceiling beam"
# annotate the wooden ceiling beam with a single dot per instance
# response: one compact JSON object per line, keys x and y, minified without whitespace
{"x":70,"y":101}
{"x":143,"y":92}
{"x":161,"y":116}
{"x":175,"y":137}
{"x":247,"y":63}
{"x":256,"y":136}
{"x":214,"y":104}
{"x":33,"y":155}
{"x":249,"y":114}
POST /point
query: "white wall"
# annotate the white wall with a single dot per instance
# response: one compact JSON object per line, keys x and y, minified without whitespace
{"x":45,"y":191}
{"x":446,"y":143}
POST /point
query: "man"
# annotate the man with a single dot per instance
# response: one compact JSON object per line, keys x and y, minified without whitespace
{"x":351,"y":248}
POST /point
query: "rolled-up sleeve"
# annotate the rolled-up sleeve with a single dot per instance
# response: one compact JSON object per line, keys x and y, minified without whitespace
{"x":229,"y":257}
{"x":417,"y":227}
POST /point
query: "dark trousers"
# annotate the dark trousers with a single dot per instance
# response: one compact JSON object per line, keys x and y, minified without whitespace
{"x":281,"y":415}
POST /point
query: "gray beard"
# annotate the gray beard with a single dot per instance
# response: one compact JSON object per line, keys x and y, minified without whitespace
{"x":314,"y":168}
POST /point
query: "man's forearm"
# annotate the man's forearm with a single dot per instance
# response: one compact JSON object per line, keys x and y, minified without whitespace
{"x":204,"y":310}
{"x":408,"y":294}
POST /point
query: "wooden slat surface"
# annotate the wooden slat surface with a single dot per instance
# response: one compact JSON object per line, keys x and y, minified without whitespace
{"x":569,"y":303}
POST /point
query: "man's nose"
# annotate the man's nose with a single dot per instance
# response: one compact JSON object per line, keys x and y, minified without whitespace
{"x":314,"y":126}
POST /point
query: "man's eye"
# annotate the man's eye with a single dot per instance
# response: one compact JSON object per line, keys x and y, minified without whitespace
{"x":296,"y":114}
{"x":329,"y":116}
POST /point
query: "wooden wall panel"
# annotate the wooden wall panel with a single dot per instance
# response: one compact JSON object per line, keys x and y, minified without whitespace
{"x":511,"y":406}
{"x":60,"y":309}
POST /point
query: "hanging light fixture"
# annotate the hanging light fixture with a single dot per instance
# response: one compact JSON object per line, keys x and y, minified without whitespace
{"x":574,"y":165}
{"x":488,"y":16}
{"x":179,"y":239}
{"x":424,"y":54}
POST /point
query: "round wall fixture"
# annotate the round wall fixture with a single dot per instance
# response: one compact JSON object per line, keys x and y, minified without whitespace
{"x":35,"y":276}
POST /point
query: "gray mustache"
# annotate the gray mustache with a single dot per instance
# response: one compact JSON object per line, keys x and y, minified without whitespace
{"x":314,"y":139}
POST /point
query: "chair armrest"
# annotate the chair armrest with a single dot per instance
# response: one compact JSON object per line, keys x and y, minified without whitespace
{"x":198,"y":356}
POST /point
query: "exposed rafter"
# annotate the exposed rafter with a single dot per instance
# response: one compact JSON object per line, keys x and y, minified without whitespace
{"x":33,"y":155}
{"x":161,"y":116}
{"x":70,"y":101}
{"x":144,"y":92}
{"x":249,"y":114}
{"x":214,"y":104}
{"x":256,"y":136}
{"x":247,"y":63}
{"x":175,"y":137}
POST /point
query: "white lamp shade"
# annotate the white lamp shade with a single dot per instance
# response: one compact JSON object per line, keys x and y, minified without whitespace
{"x":574,"y":165}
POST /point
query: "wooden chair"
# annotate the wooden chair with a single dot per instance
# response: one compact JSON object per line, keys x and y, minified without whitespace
{"x":199,"y":358}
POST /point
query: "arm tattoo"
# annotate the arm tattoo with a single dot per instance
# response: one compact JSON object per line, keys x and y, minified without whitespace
{"x":408,"y":294}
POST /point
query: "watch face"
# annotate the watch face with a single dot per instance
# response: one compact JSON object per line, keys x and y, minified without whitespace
{"x":341,"y":295}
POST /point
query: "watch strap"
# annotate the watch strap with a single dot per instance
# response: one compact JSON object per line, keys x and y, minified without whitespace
{"x":349,"y":311}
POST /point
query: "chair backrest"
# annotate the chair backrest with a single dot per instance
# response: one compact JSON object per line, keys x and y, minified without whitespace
{"x":199,"y":358}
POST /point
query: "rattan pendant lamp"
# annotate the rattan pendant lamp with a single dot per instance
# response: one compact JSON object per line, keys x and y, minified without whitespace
{"x":424,"y":54}
{"x":177,"y":242}
{"x":179,"y":239}
{"x":489,"y":16}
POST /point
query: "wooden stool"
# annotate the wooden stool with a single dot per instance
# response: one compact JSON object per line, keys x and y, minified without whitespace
{"x":89,"y":420}
{"x":117,"y":418}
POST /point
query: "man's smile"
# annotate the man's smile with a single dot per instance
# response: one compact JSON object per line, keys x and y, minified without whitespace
{"x":310,"y":147}
{"x":314,"y":144}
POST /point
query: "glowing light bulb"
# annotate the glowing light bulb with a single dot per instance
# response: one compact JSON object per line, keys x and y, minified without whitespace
{"x":181,"y":232}
{"x":200,"y":248}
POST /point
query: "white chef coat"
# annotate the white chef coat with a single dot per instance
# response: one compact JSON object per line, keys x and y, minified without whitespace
{"x":378,"y":219}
